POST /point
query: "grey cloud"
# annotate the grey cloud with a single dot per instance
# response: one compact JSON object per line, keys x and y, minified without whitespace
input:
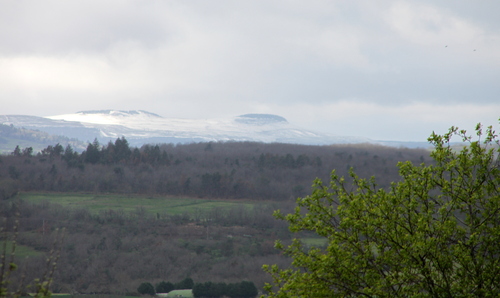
{"x":483,"y":13}
{"x":195,"y":58}
{"x":59,"y":27}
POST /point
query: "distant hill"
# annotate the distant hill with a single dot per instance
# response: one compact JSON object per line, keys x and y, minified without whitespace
{"x":11,"y":136}
{"x":141,"y":127}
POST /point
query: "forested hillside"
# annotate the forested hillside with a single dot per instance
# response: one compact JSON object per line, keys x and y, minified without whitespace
{"x":214,"y":170}
{"x":114,"y":251}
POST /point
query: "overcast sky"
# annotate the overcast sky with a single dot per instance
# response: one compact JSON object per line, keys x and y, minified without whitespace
{"x":387,"y":70}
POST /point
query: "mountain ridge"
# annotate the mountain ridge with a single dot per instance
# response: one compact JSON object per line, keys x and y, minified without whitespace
{"x":130,"y":112}
{"x":141,"y":127}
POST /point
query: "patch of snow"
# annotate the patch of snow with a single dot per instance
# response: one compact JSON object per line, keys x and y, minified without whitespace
{"x":137,"y":125}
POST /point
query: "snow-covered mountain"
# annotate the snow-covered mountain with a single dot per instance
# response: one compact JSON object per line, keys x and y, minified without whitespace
{"x":141,"y":127}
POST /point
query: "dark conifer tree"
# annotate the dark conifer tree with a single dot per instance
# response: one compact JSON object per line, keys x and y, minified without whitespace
{"x":146,"y":288}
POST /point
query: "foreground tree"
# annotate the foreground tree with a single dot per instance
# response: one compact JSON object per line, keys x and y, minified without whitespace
{"x":16,"y":288}
{"x":436,"y":233}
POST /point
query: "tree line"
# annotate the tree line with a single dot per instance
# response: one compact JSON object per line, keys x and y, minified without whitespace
{"x":165,"y":286}
{"x":232,"y":170}
{"x":243,"y":289}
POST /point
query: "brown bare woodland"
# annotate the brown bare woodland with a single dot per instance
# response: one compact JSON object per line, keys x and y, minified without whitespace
{"x":114,"y":251}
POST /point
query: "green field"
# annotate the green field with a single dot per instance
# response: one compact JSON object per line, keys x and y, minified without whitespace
{"x":161,"y":205}
{"x":174,"y":293}
{"x":21,"y":250}
{"x":180,"y":293}
{"x":65,"y":295}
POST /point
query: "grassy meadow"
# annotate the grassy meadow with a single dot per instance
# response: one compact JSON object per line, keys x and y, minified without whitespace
{"x":180,"y":293}
{"x":22,"y":251}
{"x":169,"y":205}
{"x":65,"y":295}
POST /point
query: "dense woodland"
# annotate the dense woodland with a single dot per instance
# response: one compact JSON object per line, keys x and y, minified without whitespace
{"x":216,"y":170}
{"x":115,"y":251}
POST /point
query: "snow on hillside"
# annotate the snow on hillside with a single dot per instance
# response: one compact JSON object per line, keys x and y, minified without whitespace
{"x":107,"y":116}
{"x":259,"y":127}
{"x":154,"y":122}
{"x":140,"y":127}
